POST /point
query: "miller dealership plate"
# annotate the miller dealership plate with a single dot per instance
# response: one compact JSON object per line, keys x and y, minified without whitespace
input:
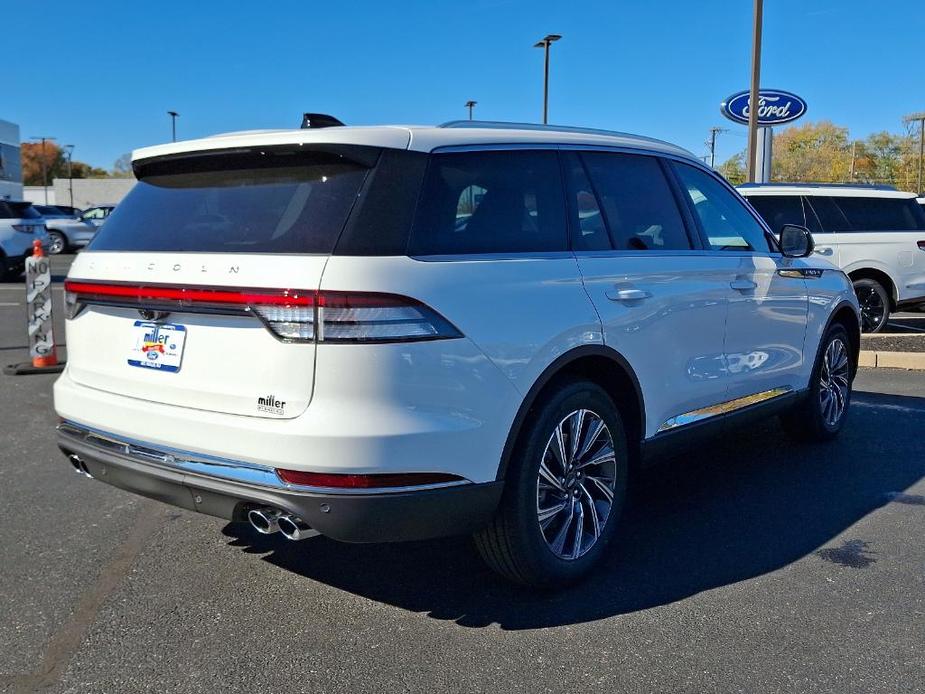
{"x":157,"y":345}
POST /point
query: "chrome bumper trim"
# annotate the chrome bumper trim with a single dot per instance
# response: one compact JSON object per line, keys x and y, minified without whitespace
{"x":204,"y":465}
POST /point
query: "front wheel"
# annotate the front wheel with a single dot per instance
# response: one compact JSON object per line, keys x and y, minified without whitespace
{"x":875,"y":305}
{"x":57,"y":243}
{"x":821,"y":415}
{"x":564,"y":490}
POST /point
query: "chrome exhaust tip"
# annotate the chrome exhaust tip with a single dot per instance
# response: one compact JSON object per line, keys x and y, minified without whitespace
{"x":294,"y":528}
{"x":264,"y":520}
{"x":79,"y":466}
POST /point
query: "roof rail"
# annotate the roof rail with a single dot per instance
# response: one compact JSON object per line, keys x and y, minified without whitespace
{"x":870,"y":186}
{"x":503,"y":125}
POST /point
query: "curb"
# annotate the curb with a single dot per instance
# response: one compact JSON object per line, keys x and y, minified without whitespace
{"x":892,"y":360}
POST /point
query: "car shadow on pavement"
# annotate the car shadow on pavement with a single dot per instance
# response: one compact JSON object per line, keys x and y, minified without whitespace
{"x":717,"y":515}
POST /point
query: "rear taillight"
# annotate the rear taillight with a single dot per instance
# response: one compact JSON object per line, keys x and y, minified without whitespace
{"x":26,"y":228}
{"x":342,"y":481}
{"x":921,"y":245}
{"x":290,"y":314}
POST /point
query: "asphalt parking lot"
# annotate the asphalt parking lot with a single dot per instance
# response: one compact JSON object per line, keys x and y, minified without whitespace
{"x":752,"y":565}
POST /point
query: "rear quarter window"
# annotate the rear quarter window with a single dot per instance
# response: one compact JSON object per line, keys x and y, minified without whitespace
{"x":882,"y":214}
{"x":490,"y":202}
{"x":18,"y":210}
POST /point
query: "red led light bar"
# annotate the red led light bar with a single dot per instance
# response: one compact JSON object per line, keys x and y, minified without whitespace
{"x":238,"y":297}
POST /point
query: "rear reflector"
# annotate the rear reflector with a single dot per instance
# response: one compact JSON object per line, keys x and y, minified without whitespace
{"x":378,"y":481}
{"x":290,"y":314}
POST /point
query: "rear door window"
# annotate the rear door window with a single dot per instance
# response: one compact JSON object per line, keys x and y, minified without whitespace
{"x":638,"y":206}
{"x":830,"y":216}
{"x":882,"y":214}
{"x":257,"y":202}
{"x":726,"y":222}
{"x":778,"y":210}
{"x":491,"y":202}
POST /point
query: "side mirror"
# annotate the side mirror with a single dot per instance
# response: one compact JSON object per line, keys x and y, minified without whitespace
{"x":796,"y":241}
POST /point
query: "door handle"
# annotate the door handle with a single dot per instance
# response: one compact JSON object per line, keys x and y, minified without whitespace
{"x":743,"y":285}
{"x":823,"y":250}
{"x":628,"y":295}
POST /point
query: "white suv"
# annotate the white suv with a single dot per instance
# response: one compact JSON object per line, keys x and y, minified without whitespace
{"x":393,"y":333}
{"x":875,"y":234}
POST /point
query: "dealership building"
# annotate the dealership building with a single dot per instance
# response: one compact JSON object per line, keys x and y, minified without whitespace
{"x":10,"y":164}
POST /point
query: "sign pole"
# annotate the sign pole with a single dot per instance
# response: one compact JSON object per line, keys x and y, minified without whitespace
{"x":753,"y":97}
{"x":40,"y":326}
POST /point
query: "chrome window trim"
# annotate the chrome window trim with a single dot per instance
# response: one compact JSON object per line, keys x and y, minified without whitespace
{"x":216,"y":467}
{"x":722,"y":408}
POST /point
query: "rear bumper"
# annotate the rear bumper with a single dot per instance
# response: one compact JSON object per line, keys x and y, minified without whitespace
{"x":374,"y":516}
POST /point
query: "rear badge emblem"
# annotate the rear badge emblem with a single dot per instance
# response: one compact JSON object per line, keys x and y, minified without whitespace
{"x":271,"y":405}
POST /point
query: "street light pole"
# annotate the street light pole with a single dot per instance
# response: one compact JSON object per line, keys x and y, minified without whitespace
{"x":70,"y":175}
{"x":43,"y":140}
{"x":470,"y":105}
{"x":753,"y":95}
{"x":545,"y":43}
{"x":173,"y":123}
{"x":920,"y":117}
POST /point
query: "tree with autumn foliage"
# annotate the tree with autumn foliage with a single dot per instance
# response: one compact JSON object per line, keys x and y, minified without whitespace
{"x":823,"y":152}
{"x":32,"y":155}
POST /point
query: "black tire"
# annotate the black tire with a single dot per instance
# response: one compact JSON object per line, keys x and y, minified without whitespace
{"x":514,"y":544}
{"x":57,"y":242}
{"x":809,"y":421}
{"x":875,"y":305}
{"x":5,"y":273}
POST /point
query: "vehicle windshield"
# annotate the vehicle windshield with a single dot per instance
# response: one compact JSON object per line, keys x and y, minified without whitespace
{"x":253,"y":203}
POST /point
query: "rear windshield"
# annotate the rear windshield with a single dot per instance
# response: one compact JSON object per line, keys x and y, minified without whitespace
{"x":17,"y":210}
{"x":259,"y":202}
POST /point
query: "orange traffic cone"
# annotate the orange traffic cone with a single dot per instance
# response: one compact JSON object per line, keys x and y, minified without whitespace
{"x":46,"y":363}
{"x":50,"y":359}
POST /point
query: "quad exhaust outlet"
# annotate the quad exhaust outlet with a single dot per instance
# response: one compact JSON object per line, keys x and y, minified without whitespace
{"x":270,"y":520}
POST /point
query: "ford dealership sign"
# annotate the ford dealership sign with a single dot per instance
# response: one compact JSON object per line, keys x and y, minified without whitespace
{"x":774,"y":107}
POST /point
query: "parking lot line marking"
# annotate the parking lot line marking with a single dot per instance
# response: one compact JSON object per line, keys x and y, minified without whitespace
{"x":888,"y":406}
{"x":10,"y":303}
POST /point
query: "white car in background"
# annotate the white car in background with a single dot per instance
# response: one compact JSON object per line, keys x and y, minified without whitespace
{"x":875,"y":234}
{"x":394,"y":333}
{"x":20,"y":225}
{"x":68,"y":234}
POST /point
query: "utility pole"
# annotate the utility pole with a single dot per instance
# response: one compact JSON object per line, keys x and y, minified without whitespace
{"x":70,"y":175}
{"x":545,"y":43}
{"x":854,"y":155}
{"x":470,"y":105}
{"x":753,"y":95}
{"x":173,"y":123}
{"x":43,"y":139}
{"x":912,"y":118}
{"x":714,"y":131}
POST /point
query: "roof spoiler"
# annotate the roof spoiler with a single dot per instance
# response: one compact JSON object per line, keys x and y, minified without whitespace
{"x":319,"y":120}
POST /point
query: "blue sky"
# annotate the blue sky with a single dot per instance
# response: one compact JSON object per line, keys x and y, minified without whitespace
{"x":105,"y":80}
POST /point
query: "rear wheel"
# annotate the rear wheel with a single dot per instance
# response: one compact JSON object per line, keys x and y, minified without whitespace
{"x":821,"y":415}
{"x":875,"y":305}
{"x":57,"y":243}
{"x":564,"y":490}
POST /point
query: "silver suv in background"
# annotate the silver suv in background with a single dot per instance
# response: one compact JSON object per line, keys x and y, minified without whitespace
{"x":68,"y":234}
{"x":20,"y":225}
{"x":875,"y":234}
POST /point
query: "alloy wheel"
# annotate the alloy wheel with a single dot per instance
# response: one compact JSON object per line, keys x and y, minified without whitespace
{"x":55,"y":244}
{"x":833,"y":382}
{"x":872,"y":308}
{"x":576,"y":484}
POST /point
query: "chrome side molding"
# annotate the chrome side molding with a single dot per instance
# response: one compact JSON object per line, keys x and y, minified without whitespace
{"x":722,"y":408}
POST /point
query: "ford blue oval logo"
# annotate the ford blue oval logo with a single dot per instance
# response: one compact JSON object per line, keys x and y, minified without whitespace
{"x":774,"y":107}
